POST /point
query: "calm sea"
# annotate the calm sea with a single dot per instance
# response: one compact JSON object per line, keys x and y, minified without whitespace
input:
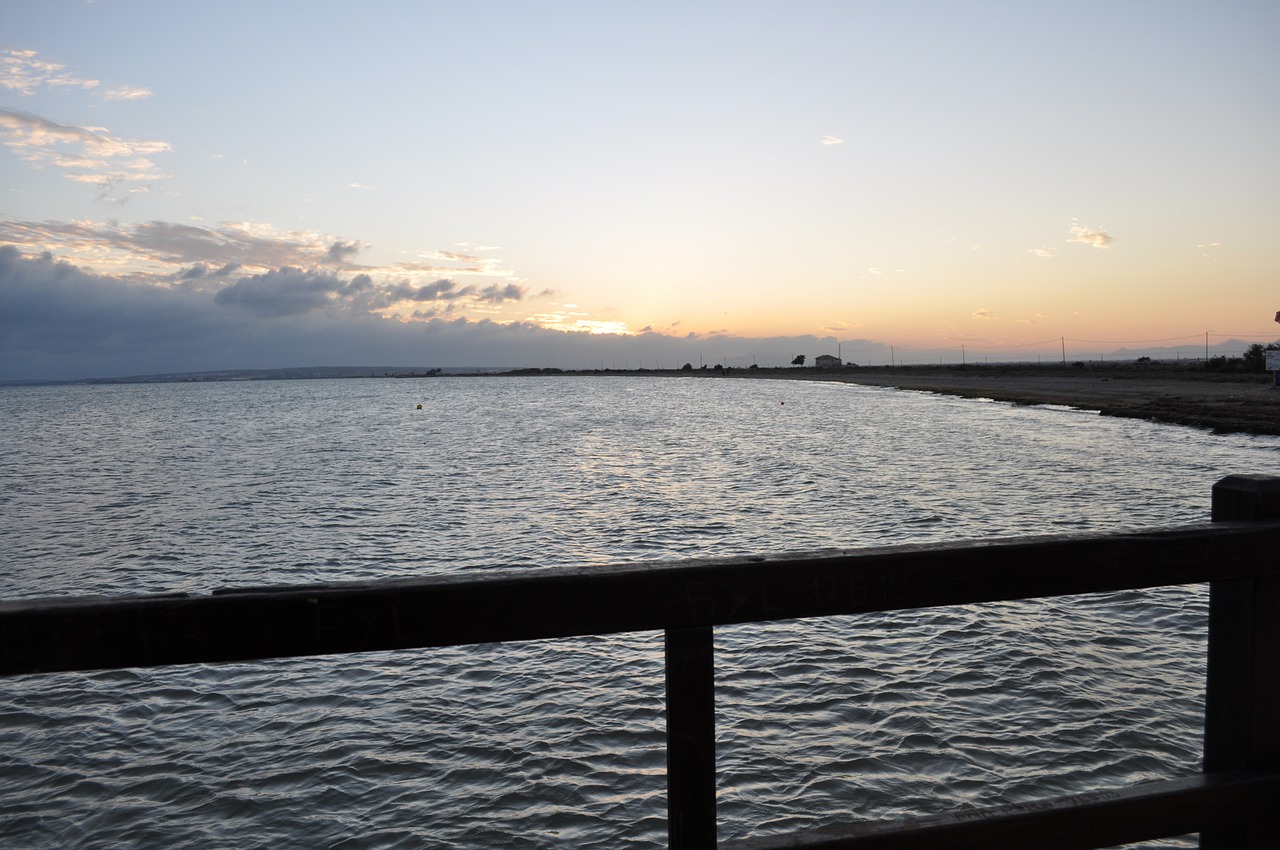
{"x":191,"y":487}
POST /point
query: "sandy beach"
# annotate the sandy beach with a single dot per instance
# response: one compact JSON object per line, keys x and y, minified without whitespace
{"x":1220,"y":402}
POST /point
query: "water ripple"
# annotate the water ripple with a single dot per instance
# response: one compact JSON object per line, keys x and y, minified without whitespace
{"x":192,"y":487}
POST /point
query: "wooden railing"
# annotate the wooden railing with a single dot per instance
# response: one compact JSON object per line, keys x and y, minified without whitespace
{"x":1233,"y":803}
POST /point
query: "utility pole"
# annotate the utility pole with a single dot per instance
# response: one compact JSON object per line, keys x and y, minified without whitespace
{"x":1064,"y":351}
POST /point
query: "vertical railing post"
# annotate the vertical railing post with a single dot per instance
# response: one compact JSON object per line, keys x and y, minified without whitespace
{"x":691,"y":739}
{"x":1242,"y":694}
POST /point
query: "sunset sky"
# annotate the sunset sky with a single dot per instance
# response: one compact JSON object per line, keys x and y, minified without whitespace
{"x":197,"y":186}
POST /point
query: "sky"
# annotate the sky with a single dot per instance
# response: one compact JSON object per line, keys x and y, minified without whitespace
{"x":207,"y":186}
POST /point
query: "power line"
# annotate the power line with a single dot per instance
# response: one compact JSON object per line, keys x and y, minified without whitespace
{"x":1244,"y":337}
{"x":1137,"y":341}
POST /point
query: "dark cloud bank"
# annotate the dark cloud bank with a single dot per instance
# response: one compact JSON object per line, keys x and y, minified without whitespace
{"x":59,"y":322}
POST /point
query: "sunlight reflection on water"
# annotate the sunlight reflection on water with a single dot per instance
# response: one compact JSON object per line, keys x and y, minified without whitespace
{"x":122,"y":489}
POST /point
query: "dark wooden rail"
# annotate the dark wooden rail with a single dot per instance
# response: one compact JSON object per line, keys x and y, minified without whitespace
{"x":1232,"y":803}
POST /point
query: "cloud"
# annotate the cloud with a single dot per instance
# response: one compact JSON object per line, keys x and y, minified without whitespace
{"x":832,"y":140}
{"x":339,"y":251}
{"x":24,"y":72}
{"x":158,"y":248}
{"x":60,"y":322}
{"x":451,"y":255}
{"x":593,"y":327}
{"x":455,"y":262}
{"x":1044,"y":253}
{"x":288,"y":291}
{"x":126,"y":93}
{"x":497,"y":294}
{"x":86,"y":154}
{"x":984,"y":313}
{"x":448,"y":290}
{"x":440,"y":290}
{"x":1089,"y":236}
{"x":276,"y":273}
{"x":201,"y":270}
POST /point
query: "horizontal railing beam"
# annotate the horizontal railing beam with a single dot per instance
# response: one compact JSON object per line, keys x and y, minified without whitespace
{"x":1075,"y":822}
{"x":238,"y":625}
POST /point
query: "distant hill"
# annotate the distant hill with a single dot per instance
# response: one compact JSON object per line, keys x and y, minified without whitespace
{"x":292,"y":374}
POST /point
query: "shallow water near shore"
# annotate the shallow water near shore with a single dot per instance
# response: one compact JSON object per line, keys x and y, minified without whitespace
{"x":191,"y":487}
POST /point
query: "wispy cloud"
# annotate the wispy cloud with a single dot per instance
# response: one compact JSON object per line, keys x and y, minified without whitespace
{"x":1089,"y":236}
{"x":832,"y":140}
{"x":984,"y":313}
{"x":456,"y":262}
{"x":86,"y":154}
{"x":571,"y":319}
{"x":161,"y":248}
{"x":126,"y":93}
{"x":24,"y":72}
{"x":1043,"y":253}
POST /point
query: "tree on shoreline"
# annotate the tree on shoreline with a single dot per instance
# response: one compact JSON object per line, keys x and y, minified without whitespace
{"x":1255,"y":357}
{"x":799,"y":361}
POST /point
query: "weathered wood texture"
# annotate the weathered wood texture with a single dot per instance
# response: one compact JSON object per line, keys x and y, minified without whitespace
{"x":1242,"y":694}
{"x":1076,"y":822}
{"x":143,"y":631}
{"x":691,"y":737}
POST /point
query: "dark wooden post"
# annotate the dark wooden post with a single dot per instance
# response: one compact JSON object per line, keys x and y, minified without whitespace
{"x":1242,"y":695}
{"x":691,"y":739}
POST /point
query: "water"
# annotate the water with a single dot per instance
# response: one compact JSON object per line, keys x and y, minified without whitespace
{"x":191,"y":487}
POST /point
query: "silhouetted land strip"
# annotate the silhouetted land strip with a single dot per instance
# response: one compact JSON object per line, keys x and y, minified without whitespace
{"x":1222,"y":402}
{"x":1225,"y":402}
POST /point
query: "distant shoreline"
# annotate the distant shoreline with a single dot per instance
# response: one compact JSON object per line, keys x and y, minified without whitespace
{"x":1223,"y":402}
